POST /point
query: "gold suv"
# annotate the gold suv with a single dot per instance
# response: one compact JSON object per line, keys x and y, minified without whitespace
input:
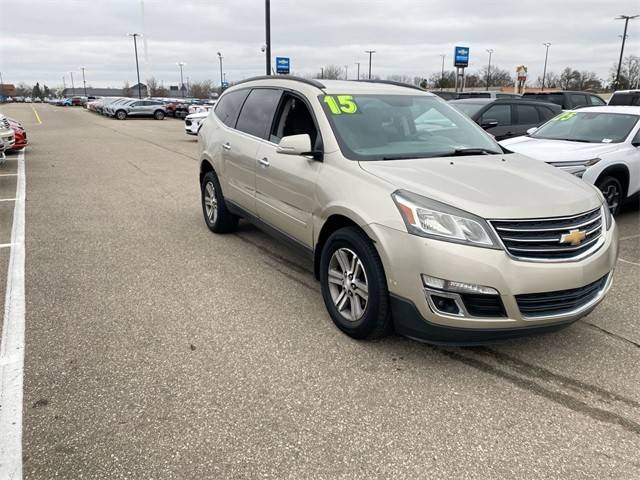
{"x":415,"y":218}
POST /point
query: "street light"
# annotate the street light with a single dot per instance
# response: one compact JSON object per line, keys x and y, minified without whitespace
{"x":135,"y":48}
{"x":490,"y":52}
{"x":267,"y":24}
{"x":370,"y":52}
{"x":84,"y":82}
{"x":626,"y":19}
{"x":544,"y":72}
{"x":442,"y":73}
{"x":221,"y":76}
{"x":73,"y":87}
{"x":181,"y":64}
{"x":358,"y":64}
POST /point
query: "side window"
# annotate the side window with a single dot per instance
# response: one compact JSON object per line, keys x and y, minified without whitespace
{"x":596,"y":100}
{"x":578,"y":100}
{"x":257,"y":112}
{"x":294,"y":118}
{"x":527,"y":115}
{"x":545,"y":113}
{"x":636,"y":139}
{"x":501,"y":113}
{"x":229,"y":105}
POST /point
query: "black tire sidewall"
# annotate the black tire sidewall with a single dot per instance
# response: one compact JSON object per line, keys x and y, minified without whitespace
{"x":158,"y":115}
{"x":119,"y":116}
{"x":375,"y":321}
{"x":606,"y":181}
{"x":213,"y":178}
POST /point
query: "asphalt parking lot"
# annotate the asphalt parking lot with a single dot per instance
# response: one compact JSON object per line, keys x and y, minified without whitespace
{"x":157,"y":350}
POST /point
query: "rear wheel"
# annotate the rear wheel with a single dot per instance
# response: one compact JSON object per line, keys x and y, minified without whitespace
{"x":354,"y":286}
{"x":613,"y":193}
{"x":214,"y":208}
{"x":159,"y":115}
{"x":121,"y":114}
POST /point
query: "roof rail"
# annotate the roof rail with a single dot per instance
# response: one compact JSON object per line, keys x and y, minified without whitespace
{"x":391,"y":82}
{"x":293,"y":78}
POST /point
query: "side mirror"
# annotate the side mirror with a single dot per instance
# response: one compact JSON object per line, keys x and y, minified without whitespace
{"x":531,"y":130}
{"x":296,"y":145}
{"x":489,"y":123}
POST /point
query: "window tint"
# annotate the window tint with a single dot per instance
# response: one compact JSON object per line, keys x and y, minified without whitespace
{"x":596,"y":100}
{"x":474,"y":95}
{"x":636,"y":139}
{"x":257,"y":112}
{"x":578,"y":100}
{"x":545,"y":113}
{"x":527,"y":115}
{"x":625,"y":99}
{"x":229,"y":105}
{"x":501,"y":113}
{"x":293,"y":118}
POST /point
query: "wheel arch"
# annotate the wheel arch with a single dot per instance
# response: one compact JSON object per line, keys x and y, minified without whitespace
{"x":619,"y":171}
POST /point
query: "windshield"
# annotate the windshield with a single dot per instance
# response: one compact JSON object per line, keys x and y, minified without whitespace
{"x":389,"y":127}
{"x":468,"y":108}
{"x":588,"y":127}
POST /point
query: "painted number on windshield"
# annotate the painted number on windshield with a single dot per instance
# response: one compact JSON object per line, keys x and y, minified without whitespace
{"x":340,"y":104}
{"x":563,"y":117}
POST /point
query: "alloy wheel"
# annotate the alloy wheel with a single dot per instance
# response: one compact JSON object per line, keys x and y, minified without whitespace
{"x":348,"y":284}
{"x":612,"y":196}
{"x":210,"y":202}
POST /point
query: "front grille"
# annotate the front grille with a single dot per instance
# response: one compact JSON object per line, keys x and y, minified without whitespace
{"x":5,"y":122}
{"x":539,"y":239}
{"x":483,"y":305}
{"x":560,"y":301}
{"x":187,"y":123}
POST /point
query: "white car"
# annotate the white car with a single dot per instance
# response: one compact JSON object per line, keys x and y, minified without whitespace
{"x":7,"y":137}
{"x":200,"y":108}
{"x":599,"y":144}
{"x":192,"y":122}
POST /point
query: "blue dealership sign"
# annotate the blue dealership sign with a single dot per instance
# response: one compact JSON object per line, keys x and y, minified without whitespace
{"x":461,"y":57}
{"x":282,"y":65}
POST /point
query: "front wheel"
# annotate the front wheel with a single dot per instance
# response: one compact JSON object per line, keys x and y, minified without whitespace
{"x":159,"y":115}
{"x":121,"y":114}
{"x":613,"y":193}
{"x":354,"y":286}
{"x":214,"y":208}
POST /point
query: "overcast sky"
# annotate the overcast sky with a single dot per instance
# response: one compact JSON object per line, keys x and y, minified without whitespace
{"x":42,"y":40}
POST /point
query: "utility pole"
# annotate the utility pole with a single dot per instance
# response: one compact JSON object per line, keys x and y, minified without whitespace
{"x":267,"y":24}
{"x":73,"y":87}
{"x":544,"y":72}
{"x":135,"y":48}
{"x":221,"y":75}
{"x":370,"y":52}
{"x":346,"y":72}
{"x":626,"y":19}
{"x":84,"y":82}
{"x":490,"y":52}
{"x":321,"y":72}
{"x":1,"y":86}
{"x":358,"y":64}
{"x":181,"y":64}
{"x":442,"y":73}
{"x":64,"y":84}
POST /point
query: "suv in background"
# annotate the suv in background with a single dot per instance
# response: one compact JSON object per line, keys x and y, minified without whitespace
{"x":414,"y":217}
{"x":509,"y":117}
{"x":139,"y":108}
{"x":567,"y":100}
{"x":625,"y":97}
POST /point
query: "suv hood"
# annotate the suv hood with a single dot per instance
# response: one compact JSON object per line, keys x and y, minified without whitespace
{"x":493,"y":187}
{"x":558,"y":150}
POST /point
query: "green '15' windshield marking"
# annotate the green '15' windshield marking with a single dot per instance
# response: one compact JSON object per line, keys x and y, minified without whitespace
{"x":343,"y":104}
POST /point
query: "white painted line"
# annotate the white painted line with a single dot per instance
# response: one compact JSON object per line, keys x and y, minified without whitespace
{"x":12,"y":343}
{"x":630,"y":237}
{"x":629,"y":262}
{"x":7,"y":199}
{"x":8,"y":174}
{"x":6,"y":245}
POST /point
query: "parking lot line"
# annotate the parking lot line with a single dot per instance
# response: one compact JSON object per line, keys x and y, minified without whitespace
{"x":12,"y":343}
{"x":630,"y":237}
{"x":6,"y":245}
{"x":7,"y":199}
{"x":8,"y":174}
{"x":628,"y":261}
{"x":37,"y":116}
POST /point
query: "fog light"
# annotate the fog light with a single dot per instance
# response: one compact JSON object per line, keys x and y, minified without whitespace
{"x":453,"y":286}
{"x":445,"y":305}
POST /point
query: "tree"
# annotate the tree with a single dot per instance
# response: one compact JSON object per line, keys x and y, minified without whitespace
{"x":126,"y":89}
{"x":629,"y":73}
{"x":568,"y":78}
{"x":36,"y":92}
{"x":23,"y":90}
{"x":155,"y":88}
{"x":331,"y":72}
{"x":400,"y":79}
{"x":201,"y":89}
{"x":448,"y":80}
{"x":498,"y":77}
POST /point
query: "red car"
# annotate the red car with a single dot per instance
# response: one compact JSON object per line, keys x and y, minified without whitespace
{"x":20,"y":133}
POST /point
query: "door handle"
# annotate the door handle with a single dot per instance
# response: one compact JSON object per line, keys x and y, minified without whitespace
{"x":264,"y":162}
{"x":226,"y":146}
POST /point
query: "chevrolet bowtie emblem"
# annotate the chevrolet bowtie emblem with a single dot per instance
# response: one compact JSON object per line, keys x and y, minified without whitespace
{"x":574,"y":237}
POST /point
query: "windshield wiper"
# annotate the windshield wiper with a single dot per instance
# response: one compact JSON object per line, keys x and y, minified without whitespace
{"x":459,"y":152}
{"x":401,"y":157}
{"x":566,"y":139}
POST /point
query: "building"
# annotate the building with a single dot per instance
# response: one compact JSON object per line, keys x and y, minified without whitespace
{"x":7,"y":90}
{"x":106,"y":92}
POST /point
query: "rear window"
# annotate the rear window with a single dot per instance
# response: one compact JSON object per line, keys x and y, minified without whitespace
{"x":578,"y":100}
{"x":229,"y":105}
{"x":596,"y":101}
{"x":632,"y":98}
{"x":556,"y":98}
{"x":527,"y":115}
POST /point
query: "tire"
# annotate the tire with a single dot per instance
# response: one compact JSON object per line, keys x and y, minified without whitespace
{"x":613,"y":192}
{"x":216,"y":215}
{"x":158,"y":115}
{"x":355,"y":315}
{"x":121,"y":115}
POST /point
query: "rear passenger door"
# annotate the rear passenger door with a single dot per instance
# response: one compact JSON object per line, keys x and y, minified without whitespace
{"x":526,"y":117}
{"x":502,"y":114}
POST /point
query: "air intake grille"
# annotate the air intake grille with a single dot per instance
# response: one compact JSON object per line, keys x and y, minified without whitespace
{"x":551,"y":239}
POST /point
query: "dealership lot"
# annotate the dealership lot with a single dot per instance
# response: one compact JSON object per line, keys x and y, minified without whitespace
{"x":155,"y":349}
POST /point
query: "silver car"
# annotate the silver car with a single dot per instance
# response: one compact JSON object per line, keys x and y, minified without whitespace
{"x":138,"y":108}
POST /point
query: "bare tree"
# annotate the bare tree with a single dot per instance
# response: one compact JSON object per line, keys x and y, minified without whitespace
{"x":156,"y":89}
{"x":331,"y":72}
{"x":629,"y":73}
{"x":400,"y":79}
{"x":448,"y":80}
{"x":201,"y":89}
{"x":498,"y":77}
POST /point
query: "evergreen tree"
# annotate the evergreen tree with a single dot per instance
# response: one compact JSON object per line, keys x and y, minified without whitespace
{"x":36,"y":92}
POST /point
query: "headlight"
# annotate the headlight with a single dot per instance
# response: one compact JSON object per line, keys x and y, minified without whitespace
{"x":429,"y":218}
{"x":606,"y":213}
{"x":577,"y":167}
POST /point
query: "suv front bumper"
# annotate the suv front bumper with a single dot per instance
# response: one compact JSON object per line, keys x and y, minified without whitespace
{"x":406,"y":257}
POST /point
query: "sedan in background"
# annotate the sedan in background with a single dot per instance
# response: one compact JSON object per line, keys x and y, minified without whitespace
{"x":506,"y":118}
{"x":599,"y":144}
{"x":568,"y":100}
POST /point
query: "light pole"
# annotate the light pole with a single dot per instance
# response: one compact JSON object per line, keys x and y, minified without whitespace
{"x":84,"y":82}
{"x":73,"y":87}
{"x":358,"y":64}
{"x":490,"y":52}
{"x":626,"y":19}
{"x":346,"y":72}
{"x":442,"y":73}
{"x":64,"y":85}
{"x":221,"y":75}
{"x":546,"y":57}
{"x":135,"y":48}
{"x":181,"y":64}
{"x":370,"y":52}
{"x":267,"y":25}
{"x":1,"y":86}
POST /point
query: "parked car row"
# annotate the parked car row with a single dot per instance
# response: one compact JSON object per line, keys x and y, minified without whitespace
{"x":13,"y":136}
{"x":122,"y":108}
